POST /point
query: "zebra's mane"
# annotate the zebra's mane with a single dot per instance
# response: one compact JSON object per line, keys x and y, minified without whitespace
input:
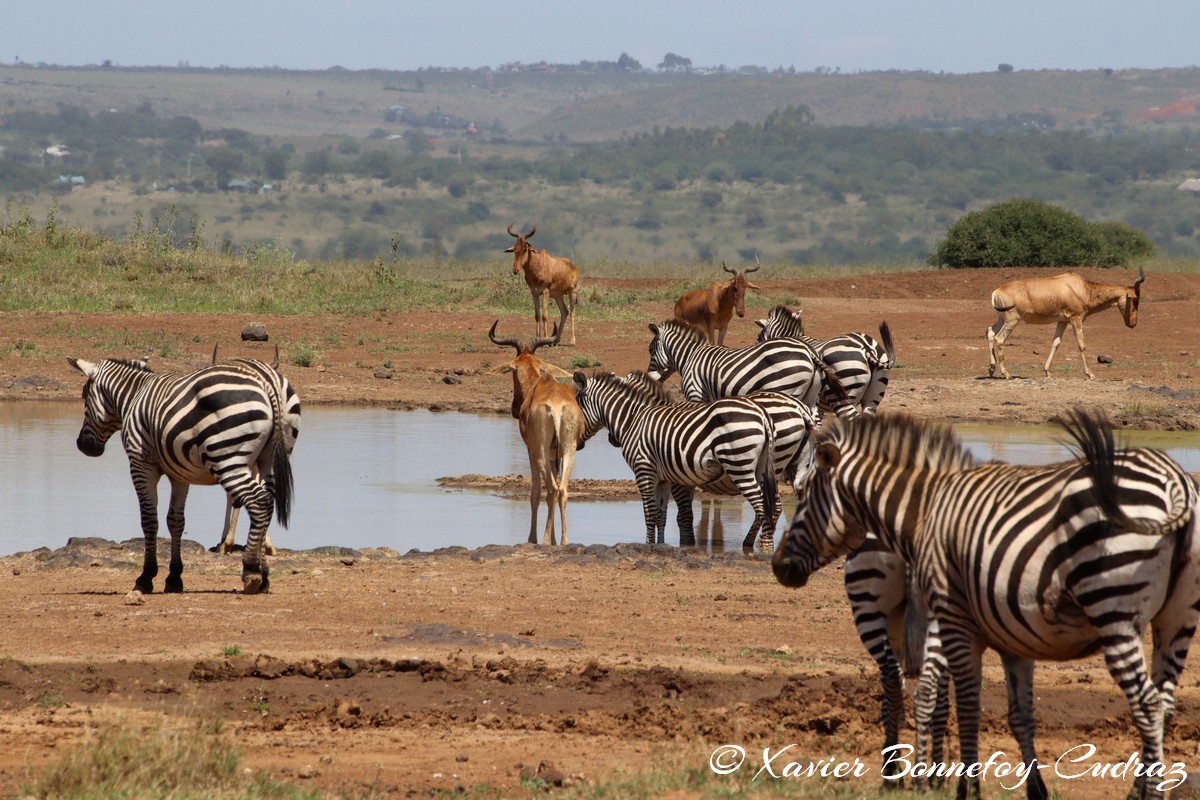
{"x":133,"y":363}
{"x":642,"y":392}
{"x":902,"y":440}
{"x":780,"y":309}
{"x":659,"y":391}
{"x":689,"y":331}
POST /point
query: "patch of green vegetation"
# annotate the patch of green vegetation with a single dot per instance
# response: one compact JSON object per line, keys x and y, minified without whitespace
{"x":231,"y":650}
{"x":192,"y":762}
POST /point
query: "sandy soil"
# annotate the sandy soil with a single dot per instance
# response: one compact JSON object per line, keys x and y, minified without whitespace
{"x":368,"y":672}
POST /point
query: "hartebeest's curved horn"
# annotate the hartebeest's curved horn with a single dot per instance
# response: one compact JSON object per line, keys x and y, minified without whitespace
{"x":514,"y":235}
{"x":509,"y":340}
{"x":727,"y":269}
{"x":552,"y":341}
{"x":532,"y":230}
{"x":1141,"y":277}
{"x":757,"y":265}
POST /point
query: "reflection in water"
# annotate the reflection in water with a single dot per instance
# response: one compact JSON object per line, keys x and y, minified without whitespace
{"x":368,"y":478}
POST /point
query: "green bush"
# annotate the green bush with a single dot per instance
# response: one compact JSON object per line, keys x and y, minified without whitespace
{"x":1030,"y":233}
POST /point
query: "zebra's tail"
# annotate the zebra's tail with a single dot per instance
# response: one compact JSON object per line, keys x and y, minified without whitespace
{"x":283,"y":480}
{"x":1093,"y":437}
{"x":885,"y":336}
{"x":766,"y":478}
{"x":916,"y":627}
{"x":833,"y":384}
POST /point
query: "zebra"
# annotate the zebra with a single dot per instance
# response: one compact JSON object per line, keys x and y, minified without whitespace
{"x":795,"y":425}
{"x":861,"y":362}
{"x":708,"y":372}
{"x":215,"y":425}
{"x":1055,"y":562}
{"x":724,"y":447}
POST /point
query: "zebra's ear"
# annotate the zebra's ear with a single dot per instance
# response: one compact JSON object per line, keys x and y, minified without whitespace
{"x":762,"y":323}
{"x":86,"y":367}
{"x":653,"y":328}
{"x":828,"y":456}
{"x":580,"y":380}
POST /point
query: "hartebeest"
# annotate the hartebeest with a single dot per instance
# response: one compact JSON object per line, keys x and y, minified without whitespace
{"x":1063,"y":299}
{"x":546,"y":275}
{"x":551,"y":426}
{"x":711,"y":309}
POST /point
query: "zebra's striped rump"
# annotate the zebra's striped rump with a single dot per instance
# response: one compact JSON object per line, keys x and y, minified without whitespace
{"x":708,"y":372}
{"x":234,"y":424}
{"x":1053,"y":562}
{"x":861,"y":363}
{"x":724,"y":446}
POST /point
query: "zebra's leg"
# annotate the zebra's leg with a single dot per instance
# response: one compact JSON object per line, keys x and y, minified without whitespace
{"x":1172,"y":631}
{"x":179,"y":493}
{"x":931,"y":705}
{"x":661,"y":495}
{"x":267,"y":476}
{"x":647,"y":485}
{"x":964,"y":655}
{"x":229,"y":537}
{"x":683,"y":513}
{"x":1126,"y":663}
{"x":1018,"y":680}
{"x":876,"y":593}
{"x":145,"y":483}
{"x":245,"y":489}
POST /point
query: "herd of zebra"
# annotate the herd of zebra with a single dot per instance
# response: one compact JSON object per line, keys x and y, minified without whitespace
{"x":945,"y":557}
{"x":1054,"y":562}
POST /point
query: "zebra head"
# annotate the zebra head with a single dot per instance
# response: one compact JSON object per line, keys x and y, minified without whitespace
{"x":822,"y":528}
{"x":781,"y":323}
{"x":101,"y":407}
{"x":591,"y":406}
{"x":665,"y":345}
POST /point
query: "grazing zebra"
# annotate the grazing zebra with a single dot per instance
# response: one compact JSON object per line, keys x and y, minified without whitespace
{"x":862,"y":364}
{"x":1054,"y":562}
{"x":724,"y":447}
{"x":216,"y":425}
{"x":708,"y":371}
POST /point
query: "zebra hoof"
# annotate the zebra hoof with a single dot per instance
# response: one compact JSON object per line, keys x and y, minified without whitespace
{"x":254,"y":583}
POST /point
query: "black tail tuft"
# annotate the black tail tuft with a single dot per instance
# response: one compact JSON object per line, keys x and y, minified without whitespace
{"x":1093,"y":438}
{"x":885,"y":335}
{"x":283,"y":484}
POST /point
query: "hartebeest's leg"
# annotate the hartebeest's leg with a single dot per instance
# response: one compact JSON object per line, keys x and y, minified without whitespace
{"x":997,"y":335}
{"x":1059,"y":327}
{"x":536,"y":466}
{"x":563,"y":313}
{"x":1077,"y":325}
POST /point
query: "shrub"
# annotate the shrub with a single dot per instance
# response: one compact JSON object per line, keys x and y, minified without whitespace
{"x":1030,"y":233}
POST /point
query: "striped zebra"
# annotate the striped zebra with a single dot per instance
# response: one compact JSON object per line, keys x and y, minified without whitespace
{"x":708,"y":371}
{"x":861,"y":362}
{"x":724,"y":447}
{"x":1055,"y":562}
{"x":216,"y":425}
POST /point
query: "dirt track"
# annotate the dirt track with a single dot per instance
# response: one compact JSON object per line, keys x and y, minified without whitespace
{"x":371,"y":671}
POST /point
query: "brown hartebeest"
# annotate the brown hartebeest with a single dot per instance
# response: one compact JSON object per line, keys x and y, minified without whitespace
{"x":1063,"y":299}
{"x":546,"y":275}
{"x":711,"y":309}
{"x":551,"y":426}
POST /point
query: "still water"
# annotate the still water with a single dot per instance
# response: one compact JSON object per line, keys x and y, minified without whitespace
{"x":368,"y":478}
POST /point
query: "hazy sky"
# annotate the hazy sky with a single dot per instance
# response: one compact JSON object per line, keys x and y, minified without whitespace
{"x":936,"y":35}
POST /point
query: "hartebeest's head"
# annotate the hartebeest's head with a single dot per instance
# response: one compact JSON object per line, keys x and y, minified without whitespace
{"x":1132,"y":297}
{"x":521,"y":248}
{"x":738,"y":284}
{"x":526,"y":368}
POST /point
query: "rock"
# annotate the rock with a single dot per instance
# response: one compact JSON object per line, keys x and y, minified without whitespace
{"x":383,"y":374}
{"x":451,"y":379}
{"x":254,"y":332}
{"x":1103,"y":359}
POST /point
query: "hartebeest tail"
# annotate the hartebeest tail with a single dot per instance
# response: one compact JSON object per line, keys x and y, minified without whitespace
{"x":1062,"y":299}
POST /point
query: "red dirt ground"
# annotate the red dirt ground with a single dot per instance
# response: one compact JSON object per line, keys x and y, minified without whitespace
{"x":373,"y":674}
